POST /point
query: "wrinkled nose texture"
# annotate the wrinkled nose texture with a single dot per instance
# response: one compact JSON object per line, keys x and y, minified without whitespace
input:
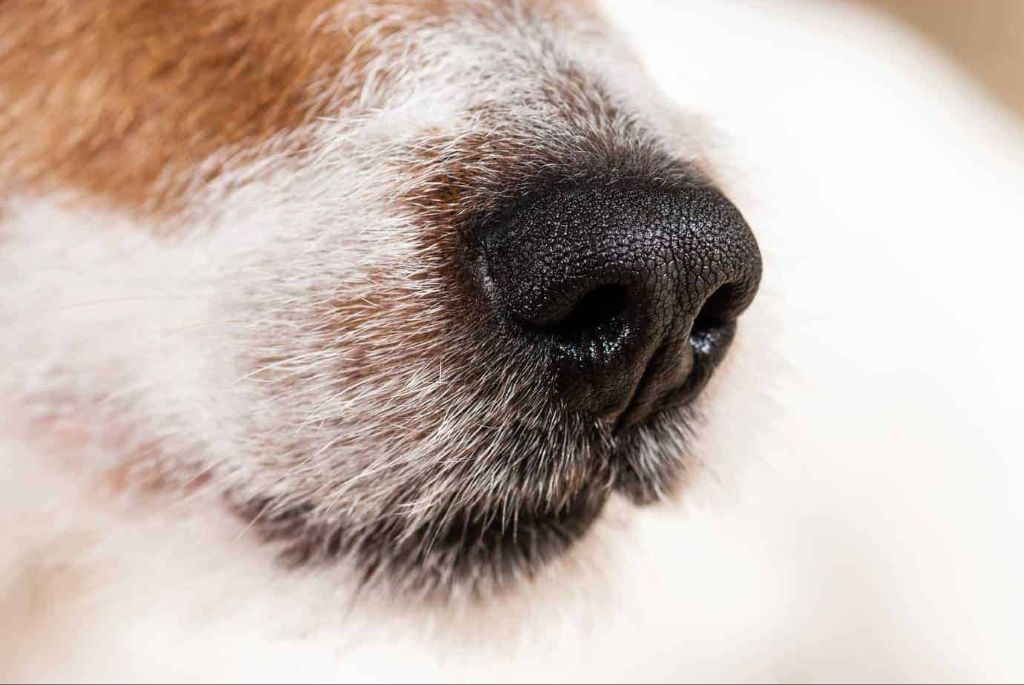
{"x":631,"y":292}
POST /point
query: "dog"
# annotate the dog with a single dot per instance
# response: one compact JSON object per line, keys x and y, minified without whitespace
{"x":419,"y":340}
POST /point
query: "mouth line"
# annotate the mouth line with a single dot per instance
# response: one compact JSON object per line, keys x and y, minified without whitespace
{"x":483,"y":551}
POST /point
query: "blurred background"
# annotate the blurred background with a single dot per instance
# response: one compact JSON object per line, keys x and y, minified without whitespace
{"x":985,"y":36}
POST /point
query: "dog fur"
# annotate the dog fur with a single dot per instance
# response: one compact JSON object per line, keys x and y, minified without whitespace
{"x":230,"y":331}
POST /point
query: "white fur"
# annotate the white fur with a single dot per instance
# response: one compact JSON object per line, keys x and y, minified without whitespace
{"x":868,"y":526}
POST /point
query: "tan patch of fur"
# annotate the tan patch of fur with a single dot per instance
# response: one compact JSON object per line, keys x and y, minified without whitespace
{"x":122,"y":99}
{"x":140,"y":466}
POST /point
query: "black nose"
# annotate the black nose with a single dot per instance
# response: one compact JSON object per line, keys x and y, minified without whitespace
{"x":631,"y":291}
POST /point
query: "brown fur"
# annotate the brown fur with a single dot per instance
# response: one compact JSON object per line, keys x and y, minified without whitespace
{"x":121,"y":99}
{"x":113,"y":97}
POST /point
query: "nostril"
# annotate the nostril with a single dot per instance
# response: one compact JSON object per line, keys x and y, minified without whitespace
{"x":714,"y":317}
{"x":715,"y":310}
{"x":599,"y":312}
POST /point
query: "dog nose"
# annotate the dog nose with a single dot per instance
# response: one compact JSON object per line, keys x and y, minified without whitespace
{"x":630,"y":291}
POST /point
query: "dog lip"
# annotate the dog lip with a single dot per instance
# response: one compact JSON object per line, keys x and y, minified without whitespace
{"x":484,"y":550}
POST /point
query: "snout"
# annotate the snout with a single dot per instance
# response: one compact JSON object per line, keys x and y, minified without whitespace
{"x":629,"y":290}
